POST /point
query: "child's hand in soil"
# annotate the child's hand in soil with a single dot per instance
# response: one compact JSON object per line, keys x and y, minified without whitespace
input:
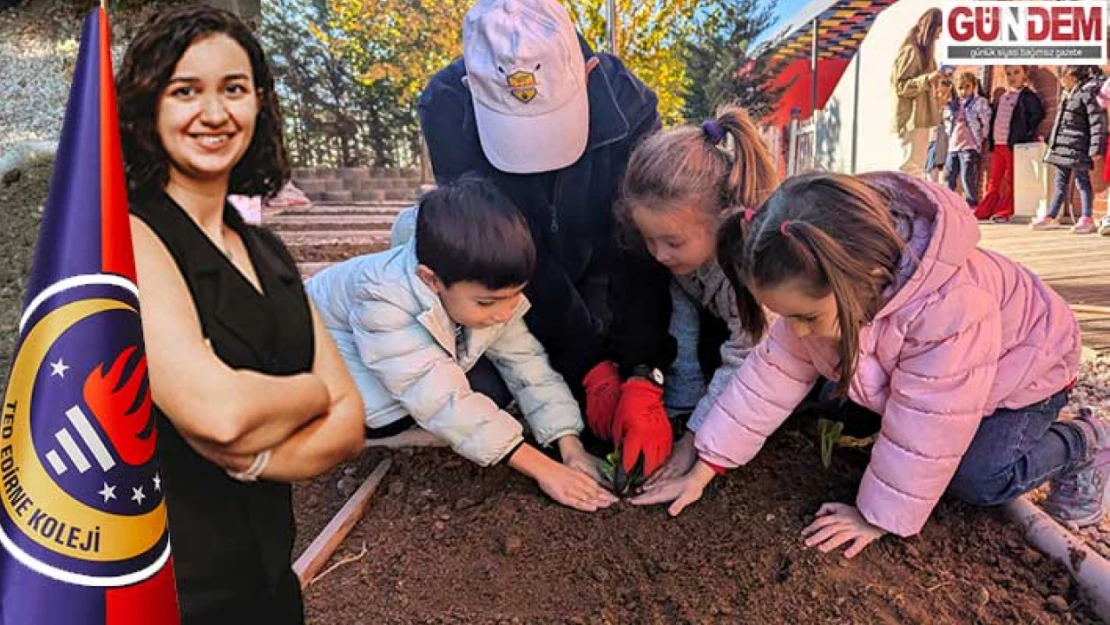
{"x":837,"y":524}
{"x":682,"y":459}
{"x":575,"y":456}
{"x":574,"y":488}
{"x":681,"y":491}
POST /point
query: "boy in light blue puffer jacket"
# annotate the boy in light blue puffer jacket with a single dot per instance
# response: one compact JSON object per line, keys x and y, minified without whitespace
{"x":412,"y":321}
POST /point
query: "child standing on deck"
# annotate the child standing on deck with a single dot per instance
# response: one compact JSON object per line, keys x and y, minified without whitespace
{"x":411,"y":322}
{"x":1077,"y":145}
{"x":879,"y":285}
{"x":680,"y":186}
{"x":1014,"y":120}
{"x":967,"y":118}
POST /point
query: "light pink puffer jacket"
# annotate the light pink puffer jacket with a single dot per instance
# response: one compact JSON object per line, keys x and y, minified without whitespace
{"x":969,"y":331}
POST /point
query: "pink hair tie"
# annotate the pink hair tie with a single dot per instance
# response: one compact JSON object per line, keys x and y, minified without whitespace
{"x":782,"y":228}
{"x":749,"y":214}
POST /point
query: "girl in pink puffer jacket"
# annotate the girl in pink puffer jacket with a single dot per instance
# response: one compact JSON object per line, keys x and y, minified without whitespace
{"x":879,"y":285}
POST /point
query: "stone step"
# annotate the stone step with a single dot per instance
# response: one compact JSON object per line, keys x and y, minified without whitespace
{"x":368,"y":195}
{"x":334,"y":191}
{"x":346,"y":208}
{"x":310,"y":269}
{"x":339,"y":226}
{"x":354,"y":173}
{"x":310,"y":187}
{"x":341,"y":217}
{"x":333,"y":246}
{"x":333,"y":237}
{"x":337,"y":196}
{"x":384,"y":184}
{"x":335,"y":252}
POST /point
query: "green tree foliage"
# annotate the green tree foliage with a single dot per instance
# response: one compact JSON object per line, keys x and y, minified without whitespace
{"x":333,"y":117}
{"x":352,"y":70}
{"x":717,"y":65}
{"x":650,"y":38}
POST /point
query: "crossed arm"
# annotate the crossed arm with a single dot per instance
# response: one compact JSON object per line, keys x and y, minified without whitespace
{"x":309,"y":421}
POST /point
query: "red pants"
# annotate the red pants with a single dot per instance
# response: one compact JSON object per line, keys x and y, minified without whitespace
{"x":999,"y":198}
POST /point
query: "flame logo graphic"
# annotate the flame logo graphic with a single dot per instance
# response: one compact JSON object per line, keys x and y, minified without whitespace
{"x":122,"y":408}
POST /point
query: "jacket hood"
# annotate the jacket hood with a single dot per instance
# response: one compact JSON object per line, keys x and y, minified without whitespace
{"x":940,"y":233}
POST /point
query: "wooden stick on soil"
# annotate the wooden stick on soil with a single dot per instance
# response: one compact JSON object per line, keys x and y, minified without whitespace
{"x":316,"y":556}
{"x":1091,"y":309}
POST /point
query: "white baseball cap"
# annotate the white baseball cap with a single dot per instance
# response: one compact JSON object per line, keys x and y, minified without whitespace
{"x":527,"y":77}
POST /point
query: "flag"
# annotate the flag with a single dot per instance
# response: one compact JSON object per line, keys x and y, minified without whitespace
{"x":83,"y":536}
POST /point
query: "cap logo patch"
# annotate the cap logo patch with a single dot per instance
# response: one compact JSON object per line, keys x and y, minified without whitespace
{"x":522,"y":85}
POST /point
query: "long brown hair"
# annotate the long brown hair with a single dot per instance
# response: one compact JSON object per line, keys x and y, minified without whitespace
{"x":831,"y":234}
{"x":146,"y":70}
{"x":924,"y":33}
{"x":694,"y":165}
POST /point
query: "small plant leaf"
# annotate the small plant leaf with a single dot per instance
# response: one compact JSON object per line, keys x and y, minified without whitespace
{"x":830,"y":433}
{"x":609,"y":467}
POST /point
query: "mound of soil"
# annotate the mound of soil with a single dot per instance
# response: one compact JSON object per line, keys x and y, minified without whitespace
{"x":449,"y":542}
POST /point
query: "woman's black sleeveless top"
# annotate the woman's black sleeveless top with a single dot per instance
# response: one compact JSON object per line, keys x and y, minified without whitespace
{"x":232,"y":542}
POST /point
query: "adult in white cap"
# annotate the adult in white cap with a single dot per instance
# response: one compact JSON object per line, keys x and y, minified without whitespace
{"x":531,"y":107}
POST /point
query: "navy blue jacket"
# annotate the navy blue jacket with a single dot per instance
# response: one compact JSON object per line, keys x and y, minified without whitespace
{"x":592,"y":299}
{"x":1028,"y":114}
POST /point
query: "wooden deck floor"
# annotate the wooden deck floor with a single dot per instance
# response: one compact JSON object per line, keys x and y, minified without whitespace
{"x":1078,"y":267}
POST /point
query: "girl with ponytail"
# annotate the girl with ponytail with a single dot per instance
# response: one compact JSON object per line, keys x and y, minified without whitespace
{"x":879,"y":285}
{"x":679,"y":187}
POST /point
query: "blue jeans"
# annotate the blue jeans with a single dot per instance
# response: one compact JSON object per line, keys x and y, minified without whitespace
{"x":1015,"y":451}
{"x":964,"y":164}
{"x":1060,"y":192}
{"x":684,"y":384}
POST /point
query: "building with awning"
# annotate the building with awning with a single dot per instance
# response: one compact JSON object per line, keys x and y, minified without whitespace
{"x":840,"y":27}
{"x":833,"y":59}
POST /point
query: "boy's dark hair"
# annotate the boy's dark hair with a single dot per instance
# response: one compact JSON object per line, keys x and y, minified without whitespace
{"x":146,"y":70}
{"x":469,"y":231}
{"x":829,"y":233}
{"x":1083,"y":73}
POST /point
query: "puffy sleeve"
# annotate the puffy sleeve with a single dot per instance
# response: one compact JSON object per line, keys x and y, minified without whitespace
{"x":772,"y":381}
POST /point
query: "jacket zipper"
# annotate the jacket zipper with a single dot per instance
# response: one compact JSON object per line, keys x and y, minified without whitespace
{"x":555,"y":203}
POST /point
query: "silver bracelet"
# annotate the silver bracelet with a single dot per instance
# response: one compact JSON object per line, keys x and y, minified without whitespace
{"x":261,"y":459}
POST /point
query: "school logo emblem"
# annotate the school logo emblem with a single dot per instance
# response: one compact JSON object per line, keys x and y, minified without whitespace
{"x":82,"y":495}
{"x":523,"y":85}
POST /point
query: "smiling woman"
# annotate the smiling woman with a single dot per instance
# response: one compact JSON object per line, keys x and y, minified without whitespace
{"x":249,"y":390}
{"x":207,"y":113}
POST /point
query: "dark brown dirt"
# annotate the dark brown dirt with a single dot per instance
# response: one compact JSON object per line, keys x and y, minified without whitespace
{"x":336,"y":251}
{"x":449,"y":542}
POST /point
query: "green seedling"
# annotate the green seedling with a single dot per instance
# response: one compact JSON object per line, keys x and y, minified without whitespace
{"x":609,"y":467}
{"x":624,"y":484}
{"x":832,"y":436}
{"x":830,"y":432}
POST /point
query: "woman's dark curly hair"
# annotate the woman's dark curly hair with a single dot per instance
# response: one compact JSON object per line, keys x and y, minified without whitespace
{"x":146,"y":71}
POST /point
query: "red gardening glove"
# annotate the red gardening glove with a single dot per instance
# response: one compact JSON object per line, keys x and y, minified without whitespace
{"x":603,"y":391}
{"x":641,"y":425}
